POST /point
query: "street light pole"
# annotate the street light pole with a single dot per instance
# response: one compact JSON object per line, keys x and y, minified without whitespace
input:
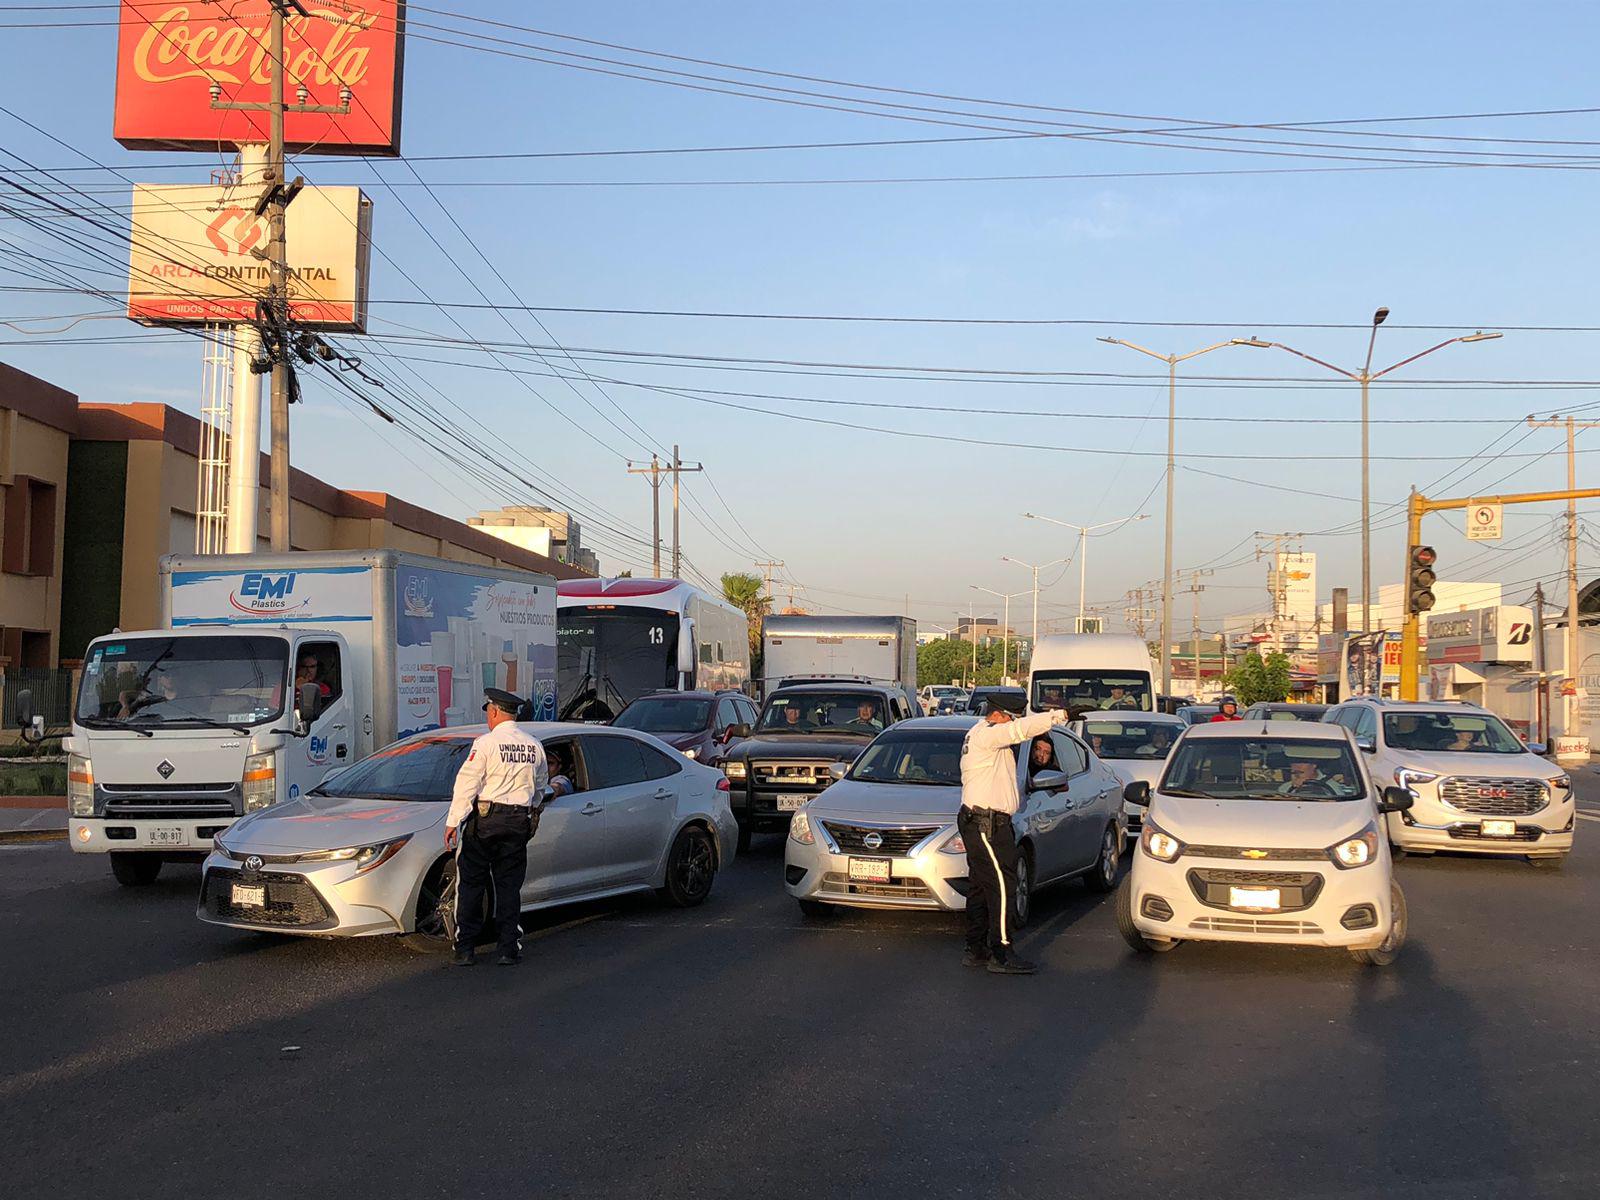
{"x":1172,"y":361}
{"x":1083,"y":551}
{"x":1035,"y":569}
{"x":1005,"y":634}
{"x":1365,"y":378}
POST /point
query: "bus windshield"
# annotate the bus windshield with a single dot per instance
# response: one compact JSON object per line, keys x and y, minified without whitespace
{"x":1086,"y":691}
{"x":608,"y":657}
{"x":222,"y":680}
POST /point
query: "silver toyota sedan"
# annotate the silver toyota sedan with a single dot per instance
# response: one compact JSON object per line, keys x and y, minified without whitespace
{"x":363,"y":853}
{"x":884,"y":835}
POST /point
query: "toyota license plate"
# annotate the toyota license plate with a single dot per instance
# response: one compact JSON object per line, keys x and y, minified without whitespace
{"x":246,"y":895}
{"x":1498,"y":828}
{"x":792,"y":803}
{"x":164,"y":837}
{"x":1245,"y":897}
{"x":870,"y":870}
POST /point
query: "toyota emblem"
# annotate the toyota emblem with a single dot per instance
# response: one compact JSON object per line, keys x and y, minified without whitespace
{"x":165,"y":769}
{"x":873,"y":841}
{"x":253,"y":863}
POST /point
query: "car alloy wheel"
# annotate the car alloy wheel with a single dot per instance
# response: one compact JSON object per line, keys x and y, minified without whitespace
{"x":1023,"y":899}
{"x":436,"y":911}
{"x":691,"y":868}
{"x":1102,"y":877}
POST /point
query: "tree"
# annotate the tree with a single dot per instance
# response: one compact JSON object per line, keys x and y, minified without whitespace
{"x":745,"y":592}
{"x":1257,"y":680}
{"x":946,"y":659}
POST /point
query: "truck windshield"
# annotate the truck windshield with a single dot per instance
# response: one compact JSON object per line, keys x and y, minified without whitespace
{"x":855,"y":713}
{"x":608,"y":658}
{"x":223,"y":680}
{"x":1085,"y":691}
{"x":1267,"y":768}
{"x":420,"y":769}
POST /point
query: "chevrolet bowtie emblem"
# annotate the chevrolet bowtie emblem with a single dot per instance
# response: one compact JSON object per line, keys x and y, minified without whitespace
{"x":1255,"y":854}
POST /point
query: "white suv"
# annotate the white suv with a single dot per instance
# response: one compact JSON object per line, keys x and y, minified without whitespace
{"x":1477,"y":787}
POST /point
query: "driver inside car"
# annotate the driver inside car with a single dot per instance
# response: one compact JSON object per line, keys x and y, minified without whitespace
{"x":1304,"y":775}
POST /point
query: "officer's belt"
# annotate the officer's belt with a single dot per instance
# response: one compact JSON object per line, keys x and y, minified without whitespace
{"x":485,"y":807}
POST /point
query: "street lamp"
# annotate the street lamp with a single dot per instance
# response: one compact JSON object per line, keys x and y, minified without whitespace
{"x":1083,"y":551}
{"x":1035,"y":570}
{"x":1005,"y":633}
{"x":1172,"y":361}
{"x":1365,"y":377}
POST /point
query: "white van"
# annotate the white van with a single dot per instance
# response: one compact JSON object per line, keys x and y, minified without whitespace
{"x":1085,"y":672}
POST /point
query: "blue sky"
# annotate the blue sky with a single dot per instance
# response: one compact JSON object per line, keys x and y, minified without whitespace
{"x":859,"y":516}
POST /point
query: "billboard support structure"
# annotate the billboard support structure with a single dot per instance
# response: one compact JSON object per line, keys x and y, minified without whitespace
{"x":244,"y":443}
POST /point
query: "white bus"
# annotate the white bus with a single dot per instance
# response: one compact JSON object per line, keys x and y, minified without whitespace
{"x":1085,"y":672}
{"x":617,"y":639}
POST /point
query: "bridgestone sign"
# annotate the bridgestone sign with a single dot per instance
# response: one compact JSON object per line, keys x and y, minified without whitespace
{"x":197,"y":256}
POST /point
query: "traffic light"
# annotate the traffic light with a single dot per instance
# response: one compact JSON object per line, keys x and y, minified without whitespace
{"x":1420,"y":579}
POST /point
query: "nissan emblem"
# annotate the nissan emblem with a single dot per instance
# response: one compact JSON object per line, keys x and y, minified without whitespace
{"x":873,"y":841}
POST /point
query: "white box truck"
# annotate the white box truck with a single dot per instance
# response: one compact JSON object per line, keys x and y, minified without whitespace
{"x":875,"y":649}
{"x":275,"y":669}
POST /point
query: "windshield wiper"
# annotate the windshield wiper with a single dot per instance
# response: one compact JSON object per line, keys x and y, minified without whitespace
{"x":114,"y":723}
{"x":208,"y":723}
{"x":1194,"y":795}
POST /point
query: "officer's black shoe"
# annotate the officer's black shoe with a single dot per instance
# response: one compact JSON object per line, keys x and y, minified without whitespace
{"x":508,"y":958}
{"x":974,"y":958}
{"x":463,"y":958}
{"x":1011,"y":966}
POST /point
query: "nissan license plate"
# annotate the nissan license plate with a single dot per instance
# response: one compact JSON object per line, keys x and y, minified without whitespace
{"x":870,"y":870}
{"x":792,"y":803}
{"x":1498,"y":828}
{"x":1246,"y":897}
{"x":165,"y":836}
{"x":250,"y":895}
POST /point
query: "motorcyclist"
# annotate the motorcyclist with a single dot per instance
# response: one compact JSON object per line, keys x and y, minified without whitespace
{"x":1227,"y":710}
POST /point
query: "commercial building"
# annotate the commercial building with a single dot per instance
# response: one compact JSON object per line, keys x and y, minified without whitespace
{"x":542,"y":530}
{"x":37,"y":421}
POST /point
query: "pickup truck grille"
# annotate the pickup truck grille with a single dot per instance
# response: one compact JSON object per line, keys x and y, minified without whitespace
{"x":1490,"y":797}
{"x":800,"y":777}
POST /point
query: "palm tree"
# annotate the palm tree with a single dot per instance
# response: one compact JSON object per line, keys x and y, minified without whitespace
{"x":744,"y":591}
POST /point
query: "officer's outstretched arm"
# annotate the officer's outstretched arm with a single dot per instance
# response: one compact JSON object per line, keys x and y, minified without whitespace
{"x":1014,"y":733}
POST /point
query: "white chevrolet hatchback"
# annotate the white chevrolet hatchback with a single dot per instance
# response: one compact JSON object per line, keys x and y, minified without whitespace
{"x":1265,"y":832}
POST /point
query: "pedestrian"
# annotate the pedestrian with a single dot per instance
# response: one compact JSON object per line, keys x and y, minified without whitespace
{"x":493,"y":812}
{"x":1227,"y":710}
{"x":989,"y":800}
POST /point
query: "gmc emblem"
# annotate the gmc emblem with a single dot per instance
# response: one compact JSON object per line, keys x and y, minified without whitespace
{"x":1495,"y":793}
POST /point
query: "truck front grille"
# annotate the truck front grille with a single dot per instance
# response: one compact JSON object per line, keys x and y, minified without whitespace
{"x":1488,"y":797}
{"x":799,"y":777}
{"x":169,"y":799}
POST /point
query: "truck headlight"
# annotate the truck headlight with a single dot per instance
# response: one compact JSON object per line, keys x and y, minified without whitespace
{"x":80,"y":785}
{"x":733,"y":770}
{"x":1562,"y":784}
{"x":260,"y":781}
{"x":1357,"y":851}
{"x":1158,"y":843}
{"x":1409,"y":777}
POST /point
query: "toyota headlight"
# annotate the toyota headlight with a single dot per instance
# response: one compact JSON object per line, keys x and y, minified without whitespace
{"x":733,"y":770}
{"x":1409,"y":777}
{"x":800,"y":829}
{"x":80,"y":785}
{"x":1357,"y":851}
{"x":260,"y":781}
{"x":366,"y":858}
{"x":1158,"y":843}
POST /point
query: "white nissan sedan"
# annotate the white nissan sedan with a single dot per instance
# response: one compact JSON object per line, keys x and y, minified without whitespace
{"x":1265,"y":832}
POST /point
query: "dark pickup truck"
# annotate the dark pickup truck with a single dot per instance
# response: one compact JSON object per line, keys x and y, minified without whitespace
{"x":803,"y":732}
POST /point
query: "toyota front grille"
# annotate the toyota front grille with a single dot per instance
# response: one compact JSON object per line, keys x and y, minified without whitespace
{"x":291,"y":901}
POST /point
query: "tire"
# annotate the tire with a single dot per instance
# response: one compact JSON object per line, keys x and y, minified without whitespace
{"x":1102,"y":877}
{"x":434,"y":928}
{"x":816,"y":910}
{"x":1022,"y":898}
{"x":691,"y":868}
{"x":135,"y":870}
{"x":1400,"y":926}
{"x":1551,"y":863}
{"x":1129,"y":931}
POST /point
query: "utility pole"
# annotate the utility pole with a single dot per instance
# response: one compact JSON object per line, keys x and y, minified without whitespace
{"x":275,"y":202}
{"x":1135,"y":613}
{"x":655,"y":470}
{"x":766,"y":569}
{"x":1541,"y":719}
{"x":678,"y":469}
{"x":1277,"y":588}
{"x":1195,"y":587}
{"x":1571,"y":704}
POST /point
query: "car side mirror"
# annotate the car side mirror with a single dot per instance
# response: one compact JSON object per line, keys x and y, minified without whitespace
{"x":837,"y":771}
{"x":1367,"y":745}
{"x":1137,"y":793}
{"x":1396,"y":799}
{"x":1048,"y":781}
{"x":740,"y":729}
{"x":1537,"y":748}
{"x":687,"y":660}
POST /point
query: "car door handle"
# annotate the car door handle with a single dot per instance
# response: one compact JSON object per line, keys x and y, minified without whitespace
{"x":339,"y":750}
{"x":662,"y":793}
{"x":591,"y":808}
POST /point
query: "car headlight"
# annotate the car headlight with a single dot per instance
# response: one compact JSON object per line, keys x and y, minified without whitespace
{"x":1409,"y":777}
{"x":1561,"y":783}
{"x":692,"y":752}
{"x":260,"y":781}
{"x":953,"y":845}
{"x":733,"y":770}
{"x":366,"y":858}
{"x":80,"y":785}
{"x":1158,"y":843}
{"x":800,"y":829}
{"x":1357,"y":851}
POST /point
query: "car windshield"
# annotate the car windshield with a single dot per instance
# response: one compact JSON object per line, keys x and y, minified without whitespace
{"x":222,"y":680}
{"x":1449,"y":733}
{"x":1132,"y":739}
{"x":418,"y":769}
{"x":823,"y":712}
{"x":666,"y":714}
{"x":926,"y":758}
{"x":1085,"y":691}
{"x":1265,"y":768}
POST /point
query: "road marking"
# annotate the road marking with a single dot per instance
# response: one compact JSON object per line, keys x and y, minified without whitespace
{"x":1583,"y":816}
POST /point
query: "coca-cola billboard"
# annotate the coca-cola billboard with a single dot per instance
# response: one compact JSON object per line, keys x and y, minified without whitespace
{"x":170,"y":54}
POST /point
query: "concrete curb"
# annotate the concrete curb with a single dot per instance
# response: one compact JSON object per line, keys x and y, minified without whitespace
{"x":23,"y":837}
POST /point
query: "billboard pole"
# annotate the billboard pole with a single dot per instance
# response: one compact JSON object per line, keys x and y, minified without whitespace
{"x":278,"y":300}
{"x":244,"y":434}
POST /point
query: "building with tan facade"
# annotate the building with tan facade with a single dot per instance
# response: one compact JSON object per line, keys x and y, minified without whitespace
{"x":37,"y":421}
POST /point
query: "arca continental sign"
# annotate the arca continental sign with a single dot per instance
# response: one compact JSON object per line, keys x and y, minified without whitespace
{"x":262,"y":594}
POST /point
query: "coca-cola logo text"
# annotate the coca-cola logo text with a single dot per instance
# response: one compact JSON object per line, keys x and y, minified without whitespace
{"x":186,"y":41}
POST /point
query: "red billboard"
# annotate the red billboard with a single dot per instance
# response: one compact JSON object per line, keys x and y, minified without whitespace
{"x":171,"y":53}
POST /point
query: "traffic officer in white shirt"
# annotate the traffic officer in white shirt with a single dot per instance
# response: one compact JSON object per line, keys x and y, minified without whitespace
{"x":493,"y":812}
{"x":988,"y":802}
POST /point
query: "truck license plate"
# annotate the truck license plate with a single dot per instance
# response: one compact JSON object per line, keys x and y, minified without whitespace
{"x":792,"y":803}
{"x":870,"y":870}
{"x":165,"y":837}
{"x":1263,"y":898}
{"x":247,"y":895}
{"x":1498,"y":828}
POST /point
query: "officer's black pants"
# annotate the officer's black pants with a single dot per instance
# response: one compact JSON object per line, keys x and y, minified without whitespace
{"x":493,"y":854}
{"x":991,"y":879}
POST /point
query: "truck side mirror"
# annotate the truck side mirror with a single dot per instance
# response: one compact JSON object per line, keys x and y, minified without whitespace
{"x":308,"y":703}
{"x":686,"y":650}
{"x":25,"y":709}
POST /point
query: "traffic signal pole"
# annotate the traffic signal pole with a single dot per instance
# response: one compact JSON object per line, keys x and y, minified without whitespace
{"x":1419,"y":506}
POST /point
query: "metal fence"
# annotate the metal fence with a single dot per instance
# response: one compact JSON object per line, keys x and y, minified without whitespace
{"x":52,"y":694}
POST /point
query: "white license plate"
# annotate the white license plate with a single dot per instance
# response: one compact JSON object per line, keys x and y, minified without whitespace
{"x":165,"y":837}
{"x":247,"y":895}
{"x":1498,"y":828}
{"x":870,"y":870}
{"x":792,"y":803}
{"x":1244,"y":897}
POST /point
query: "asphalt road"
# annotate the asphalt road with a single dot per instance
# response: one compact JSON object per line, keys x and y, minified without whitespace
{"x":737,"y":1050}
